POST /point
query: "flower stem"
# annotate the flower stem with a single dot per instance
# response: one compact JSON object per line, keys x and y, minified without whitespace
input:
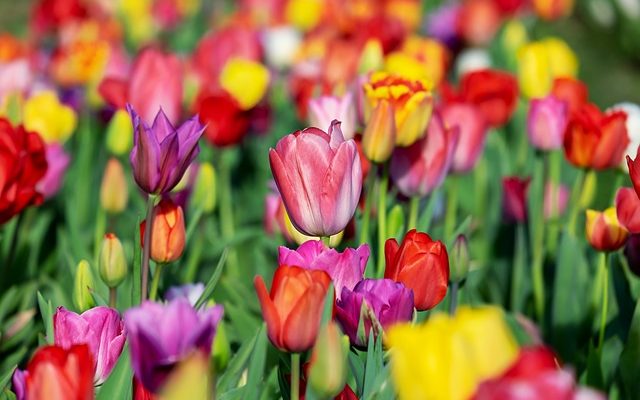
{"x":537,"y":271}
{"x":382,"y":218}
{"x":113,"y":297}
{"x":366,"y":215}
{"x":605,"y":298}
{"x":326,"y":240}
{"x":295,"y":376}
{"x":414,"y":206}
{"x":146,"y":249}
{"x":156,"y":282}
{"x":452,"y":208}
{"x":227,"y":226}
{"x":575,"y":202}
{"x":453,"y":303}
{"x":13,"y":245}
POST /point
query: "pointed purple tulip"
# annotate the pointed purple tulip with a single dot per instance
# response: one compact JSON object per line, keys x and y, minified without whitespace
{"x":161,"y":335}
{"x":391,"y":302}
{"x":161,"y":153}
{"x":100,"y":328}
{"x":346,"y":269}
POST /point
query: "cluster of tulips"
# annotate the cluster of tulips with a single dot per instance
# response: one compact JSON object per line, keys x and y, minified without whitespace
{"x":397,"y":174}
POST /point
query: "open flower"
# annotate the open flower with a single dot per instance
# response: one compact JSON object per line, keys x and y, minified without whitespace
{"x":604,"y":231}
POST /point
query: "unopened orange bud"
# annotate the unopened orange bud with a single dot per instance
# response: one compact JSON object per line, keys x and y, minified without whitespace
{"x":113,"y":191}
{"x":168,"y":235}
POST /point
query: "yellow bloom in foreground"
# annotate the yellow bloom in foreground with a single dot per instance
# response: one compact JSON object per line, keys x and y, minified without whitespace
{"x":245,"y":80}
{"x":54,"y":121}
{"x":191,"y":379}
{"x":540,"y":62}
{"x":447,"y":357}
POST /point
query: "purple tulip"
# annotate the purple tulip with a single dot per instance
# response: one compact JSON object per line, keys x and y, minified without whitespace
{"x":346,"y":269}
{"x":161,"y":153}
{"x":546,"y":122}
{"x":19,"y":384}
{"x":319,"y":177}
{"x":161,"y":335}
{"x":57,"y":162}
{"x":100,"y":328}
{"x":389,"y":301}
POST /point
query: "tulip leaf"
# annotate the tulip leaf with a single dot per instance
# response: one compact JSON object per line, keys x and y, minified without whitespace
{"x":118,"y":384}
{"x":357,"y":368}
{"x":4,"y":381}
{"x":237,"y":364}
{"x":46,"y":310}
{"x":461,"y":229}
{"x":628,"y":366}
{"x":519,"y":289}
{"x":256,"y":365}
{"x":327,"y":311}
{"x":374,"y":365}
{"x":136,"y":286}
{"x":211,"y":285}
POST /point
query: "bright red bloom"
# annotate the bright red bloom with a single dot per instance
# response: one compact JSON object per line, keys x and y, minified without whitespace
{"x":226,"y":122}
{"x":140,"y":392}
{"x":23,"y":163}
{"x":514,"y":198}
{"x":634,"y":171}
{"x":594,"y":139}
{"x":58,"y":374}
{"x":421,"y":264}
{"x":628,"y":209}
{"x":572,"y":91}
{"x":293,"y":309}
{"x":52,"y":14}
{"x":494,"y":92}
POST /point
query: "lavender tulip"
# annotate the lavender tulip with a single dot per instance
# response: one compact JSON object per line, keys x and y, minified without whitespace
{"x":346,"y":269}
{"x":161,"y":153}
{"x":100,"y":328}
{"x":161,"y":335}
{"x":546,"y":122}
{"x":389,"y":301}
{"x":319,"y":177}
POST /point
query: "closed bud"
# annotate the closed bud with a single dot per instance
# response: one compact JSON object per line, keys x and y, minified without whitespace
{"x":113,"y":265}
{"x":221,"y":348}
{"x":120,"y":133}
{"x":328,"y":370}
{"x":459,"y":259}
{"x":113,"y":190}
{"x":168,"y":236}
{"x":83,"y":286}
{"x":379,"y":137}
{"x":204,"y":190}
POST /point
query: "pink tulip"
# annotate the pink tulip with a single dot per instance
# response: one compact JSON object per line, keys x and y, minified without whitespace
{"x":100,"y":328}
{"x":556,"y":198}
{"x":324,"y":109}
{"x":319,"y":177}
{"x":57,"y":161}
{"x":473,"y":132}
{"x":514,"y":198}
{"x":628,"y":209}
{"x":421,"y":167}
{"x":546,"y":122}
{"x":156,"y":82}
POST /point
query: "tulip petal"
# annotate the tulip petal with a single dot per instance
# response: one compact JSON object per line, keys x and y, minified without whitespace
{"x":269,"y":311}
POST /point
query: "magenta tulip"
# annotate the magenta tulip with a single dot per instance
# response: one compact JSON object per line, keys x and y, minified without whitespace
{"x":100,"y":328}
{"x":319,"y":177}
{"x":57,"y":161}
{"x":420,"y":168}
{"x":546,"y":122}
{"x":473,"y":133}
{"x":324,"y":109}
{"x":514,"y":198}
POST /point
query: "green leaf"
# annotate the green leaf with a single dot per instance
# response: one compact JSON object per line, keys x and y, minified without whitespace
{"x":256,"y":365}
{"x":238,"y":363}
{"x":211,"y":285}
{"x":628,"y":365}
{"x":462,"y":228}
{"x":374,"y":365}
{"x":327,"y":311}
{"x":46,"y":310}
{"x":118,"y":384}
{"x":136,"y":286}
{"x":4,"y":380}
{"x":519,"y":289}
{"x":357,"y":369}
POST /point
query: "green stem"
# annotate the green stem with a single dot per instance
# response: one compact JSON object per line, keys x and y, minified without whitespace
{"x":295,"y":376}
{"x":555,"y":164}
{"x":452,"y":208}
{"x":517,"y":275}
{"x":326,"y":240}
{"x":366,"y":215}
{"x":13,"y":246}
{"x":100,"y":226}
{"x":146,"y":248}
{"x":194,"y":257}
{"x":575,"y":202}
{"x":382,"y":218}
{"x":537,"y":271}
{"x":227,"y":225}
{"x":605,"y":298}
{"x":453,"y":303}
{"x":156,"y":281}
{"x":113,"y":297}
{"x":414,"y":208}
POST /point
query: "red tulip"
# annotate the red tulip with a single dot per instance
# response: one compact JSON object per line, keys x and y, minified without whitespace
{"x":596,"y":140}
{"x":53,"y":14}
{"x":58,"y":374}
{"x":473,"y":134}
{"x":514,"y":198}
{"x":140,"y":392}
{"x":420,"y":264}
{"x":634,"y":171}
{"x":604,"y":231}
{"x":572,"y":91}
{"x":293,"y":309}
{"x":23,"y":164}
{"x":226,"y":122}
{"x":478,"y":21}
{"x":628,"y":209}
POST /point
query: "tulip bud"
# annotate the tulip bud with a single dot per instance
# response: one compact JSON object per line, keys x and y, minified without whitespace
{"x":221,"y":348}
{"x":603,"y":230}
{"x":168,"y":236}
{"x":120,"y":133}
{"x":459,"y":259}
{"x":328,"y":371}
{"x":113,"y":265}
{"x":113,"y":191}
{"x":204,"y":189}
{"x":82,"y":297}
{"x":379,"y":135}
{"x":372,"y":57}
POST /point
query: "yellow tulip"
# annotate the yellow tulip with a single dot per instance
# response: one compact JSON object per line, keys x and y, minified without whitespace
{"x":191,"y":379}
{"x":245,"y":80}
{"x":540,"y":62}
{"x":304,"y":14}
{"x":447,"y":357}
{"x":419,"y":58}
{"x":54,"y":121}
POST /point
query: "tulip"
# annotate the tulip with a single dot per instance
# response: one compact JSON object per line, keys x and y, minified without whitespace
{"x":632,"y":253}
{"x":572,"y":91}
{"x":556,"y":198}
{"x":162,"y":335}
{"x":478,"y":21}
{"x":546,"y":122}
{"x":23,"y":165}
{"x":346,"y":269}
{"x":628,"y":209}
{"x":634,"y":171}
{"x":319,"y":178}
{"x":140,"y":392}
{"x":420,"y":264}
{"x":470,"y":60}
{"x":553,"y":9}
{"x":119,"y":134}
{"x":595,"y":140}
{"x":371,"y":58}
{"x":234,"y":77}
{"x":541,"y":61}
{"x":161,"y":153}
{"x":293,"y":235}
{"x":114,"y":191}
{"x":420,"y":168}
{"x":604,"y":231}
{"x":204,"y":188}
{"x":374,"y":303}
{"x":16,"y":77}
{"x":442,"y":21}
{"x":293,"y":309}
{"x":633,"y":128}
{"x":83,"y":286}
{"x":57,"y":163}
{"x":447,"y":357}
{"x":113,"y":264}
{"x":410,"y":101}
{"x":190,"y":379}
{"x":473,"y":133}
{"x":58,"y":374}
{"x":514,"y":198}
{"x":379,"y":136}
{"x":324,"y":109}
{"x":280,"y":45}
{"x":54,"y":121}
{"x":100,"y":328}
{"x":226,"y":123}
{"x":18,"y":383}
{"x":329,"y":366}
{"x":168,"y":233}
{"x":459,"y":259}
{"x":419,"y":58}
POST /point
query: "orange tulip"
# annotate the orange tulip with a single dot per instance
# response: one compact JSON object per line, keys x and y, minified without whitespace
{"x":168,"y":236}
{"x":604,"y":231}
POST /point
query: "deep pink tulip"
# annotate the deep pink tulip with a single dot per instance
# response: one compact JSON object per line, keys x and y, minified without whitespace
{"x":514,"y":198}
{"x":319,"y":177}
{"x":628,"y":209}
{"x":57,"y":161}
{"x":546,"y":122}
{"x":556,"y":198}
{"x":100,"y":328}
{"x":156,"y":82}
{"x":324,"y":109}
{"x":473,"y":133}
{"x":418,"y":169}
